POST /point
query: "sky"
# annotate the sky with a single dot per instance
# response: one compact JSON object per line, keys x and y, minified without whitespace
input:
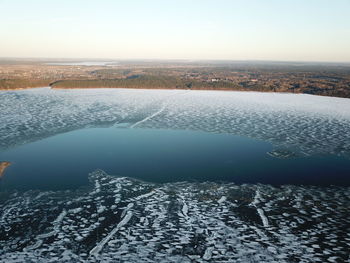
{"x":284,"y":30}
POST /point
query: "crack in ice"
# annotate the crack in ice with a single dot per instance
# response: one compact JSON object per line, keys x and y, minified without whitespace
{"x":100,"y":245}
{"x":260,"y":211}
{"x":148,"y":117}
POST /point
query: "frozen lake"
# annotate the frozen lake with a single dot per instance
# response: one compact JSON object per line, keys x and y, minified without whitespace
{"x":174,"y":135}
{"x":309,"y":124}
{"x":174,"y":176}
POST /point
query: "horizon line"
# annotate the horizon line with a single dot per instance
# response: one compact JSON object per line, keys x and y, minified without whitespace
{"x":174,"y":59}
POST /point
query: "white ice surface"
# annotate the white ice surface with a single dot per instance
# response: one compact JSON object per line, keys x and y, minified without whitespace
{"x":310,"y":124}
{"x":178,"y":222}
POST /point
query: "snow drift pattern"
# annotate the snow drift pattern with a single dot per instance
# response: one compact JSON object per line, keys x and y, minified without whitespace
{"x":124,"y":220}
{"x":310,"y":124}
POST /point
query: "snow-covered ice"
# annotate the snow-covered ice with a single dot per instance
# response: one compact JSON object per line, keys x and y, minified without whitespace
{"x":176,"y":222}
{"x":306,"y":123}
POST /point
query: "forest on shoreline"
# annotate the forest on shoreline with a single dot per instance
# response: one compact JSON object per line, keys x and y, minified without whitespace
{"x":325,"y":80}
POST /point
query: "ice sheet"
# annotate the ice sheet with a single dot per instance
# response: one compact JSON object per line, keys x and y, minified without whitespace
{"x":176,"y":222}
{"x":309,"y":124}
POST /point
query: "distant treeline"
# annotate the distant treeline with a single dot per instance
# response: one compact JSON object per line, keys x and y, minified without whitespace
{"x":168,"y":82}
{"x":342,"y":92}
{"x":23,"y":83}
{"x":151,"y":82}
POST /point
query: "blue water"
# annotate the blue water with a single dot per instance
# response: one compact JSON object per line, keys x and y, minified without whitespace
{"x":64,"y":161}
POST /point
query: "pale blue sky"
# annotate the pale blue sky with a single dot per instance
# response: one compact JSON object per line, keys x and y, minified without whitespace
{"x":302,"y":30}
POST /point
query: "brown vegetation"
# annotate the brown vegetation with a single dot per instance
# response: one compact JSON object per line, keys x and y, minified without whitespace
{"x":327,"y":79}
{"x":9,"y":84}
{"x":3,"y":166}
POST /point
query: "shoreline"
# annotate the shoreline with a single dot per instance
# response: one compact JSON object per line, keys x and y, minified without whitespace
{"x":3,"y":166}
{"x":2,"y":89}
{"x":155,"y":88}
{"x":160,"y":88}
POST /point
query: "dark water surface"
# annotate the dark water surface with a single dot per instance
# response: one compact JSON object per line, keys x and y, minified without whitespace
{"x":64,"y":161}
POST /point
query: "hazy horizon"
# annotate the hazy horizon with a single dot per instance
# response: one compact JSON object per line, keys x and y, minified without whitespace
{"x":288,"y":31}
{"x":175,"y":60}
